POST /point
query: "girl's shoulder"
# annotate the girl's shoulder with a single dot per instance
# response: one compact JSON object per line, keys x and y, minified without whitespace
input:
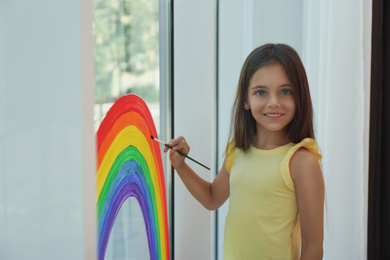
{"x":308,"y":147}
{"x":304,"y":154}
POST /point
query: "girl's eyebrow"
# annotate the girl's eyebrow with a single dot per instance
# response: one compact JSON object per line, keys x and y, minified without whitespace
{"x":287,"y":85}
{"x":256,"y":87}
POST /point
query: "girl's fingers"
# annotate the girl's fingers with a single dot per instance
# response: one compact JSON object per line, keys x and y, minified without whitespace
{"x":181,"y":145}
{"x":171,"y":143}
{"x":176,"y":141}
{"x":178,"y":144}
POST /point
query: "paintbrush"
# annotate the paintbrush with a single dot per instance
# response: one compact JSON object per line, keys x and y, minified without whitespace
{"x":182,"y":154}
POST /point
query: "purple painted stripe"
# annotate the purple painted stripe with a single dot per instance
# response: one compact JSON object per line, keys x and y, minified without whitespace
{"x":129,"y":186}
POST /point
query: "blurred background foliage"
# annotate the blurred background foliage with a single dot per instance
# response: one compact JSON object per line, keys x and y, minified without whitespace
{"x":126,"y":49}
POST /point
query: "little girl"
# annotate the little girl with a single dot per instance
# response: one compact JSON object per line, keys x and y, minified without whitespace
{"x":272,"y":170}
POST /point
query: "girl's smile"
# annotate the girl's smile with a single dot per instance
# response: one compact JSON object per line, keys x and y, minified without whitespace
{"x":273,"y":116}
{"x":270,"y":99}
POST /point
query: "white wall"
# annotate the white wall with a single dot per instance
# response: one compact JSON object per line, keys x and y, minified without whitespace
{"x":194,"y":101}
{"x":47,"y":196}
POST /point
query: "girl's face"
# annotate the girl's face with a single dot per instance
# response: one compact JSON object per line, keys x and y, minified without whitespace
{"x":270,"y":99}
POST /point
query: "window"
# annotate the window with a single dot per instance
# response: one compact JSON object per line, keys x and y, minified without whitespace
{"x":127,"y":61}
{"x":126,"y":53}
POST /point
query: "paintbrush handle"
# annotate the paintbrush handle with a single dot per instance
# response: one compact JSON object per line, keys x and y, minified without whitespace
{"x":186,"y":156}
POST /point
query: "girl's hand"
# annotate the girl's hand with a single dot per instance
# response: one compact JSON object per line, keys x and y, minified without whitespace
{"x":210,"y":195}
{"x":178,"y":144}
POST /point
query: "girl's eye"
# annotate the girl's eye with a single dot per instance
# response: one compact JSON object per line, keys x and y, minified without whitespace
{"x":260,"y":93}
{"x":286,"y":92}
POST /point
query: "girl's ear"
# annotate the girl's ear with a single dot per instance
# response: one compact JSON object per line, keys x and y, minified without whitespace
{"x":246,"y":106}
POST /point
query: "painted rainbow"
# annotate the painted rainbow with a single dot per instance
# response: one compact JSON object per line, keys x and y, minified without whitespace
{"x":129,"y":165}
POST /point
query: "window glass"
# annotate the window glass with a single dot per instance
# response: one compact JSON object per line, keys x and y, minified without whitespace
{"x":126,"y":36}
{"x":126,"y":53}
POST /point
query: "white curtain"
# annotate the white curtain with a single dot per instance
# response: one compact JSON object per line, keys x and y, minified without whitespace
{"x":337,"y":58}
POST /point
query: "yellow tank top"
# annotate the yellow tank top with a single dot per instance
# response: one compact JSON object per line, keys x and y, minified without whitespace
{"x":263,"y":221}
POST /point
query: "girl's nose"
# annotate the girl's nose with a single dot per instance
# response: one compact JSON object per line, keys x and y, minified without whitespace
{"x":273,"y":101}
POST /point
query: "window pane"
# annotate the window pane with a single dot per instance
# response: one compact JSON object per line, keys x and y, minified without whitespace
{"x":126,"y":53}
{"x":127,"y":61}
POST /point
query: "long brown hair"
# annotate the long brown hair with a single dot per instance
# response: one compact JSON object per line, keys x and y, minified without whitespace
{"x":243,"y":124}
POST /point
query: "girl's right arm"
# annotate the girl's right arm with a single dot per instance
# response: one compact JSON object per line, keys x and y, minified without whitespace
{"x":210,"y":195}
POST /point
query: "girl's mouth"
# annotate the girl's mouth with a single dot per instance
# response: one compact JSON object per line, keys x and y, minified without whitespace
{"x":273,"y":115}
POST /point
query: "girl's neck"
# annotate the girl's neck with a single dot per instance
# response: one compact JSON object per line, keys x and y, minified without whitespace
{"x":270,"y":141}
